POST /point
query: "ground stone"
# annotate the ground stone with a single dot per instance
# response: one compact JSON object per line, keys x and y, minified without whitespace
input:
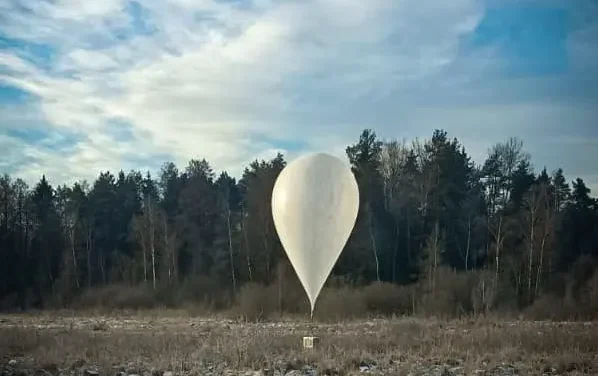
{"x":254,"y":373}
{"x":305,"y":371}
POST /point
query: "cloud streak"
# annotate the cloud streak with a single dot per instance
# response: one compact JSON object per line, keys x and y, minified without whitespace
{"x":232,"y":81}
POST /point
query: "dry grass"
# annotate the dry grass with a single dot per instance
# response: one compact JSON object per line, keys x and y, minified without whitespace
{"x":182,"y":344}
{"x":456,"y":295}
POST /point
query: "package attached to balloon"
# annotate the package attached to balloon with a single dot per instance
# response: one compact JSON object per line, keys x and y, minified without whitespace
{"x":314,"y":207}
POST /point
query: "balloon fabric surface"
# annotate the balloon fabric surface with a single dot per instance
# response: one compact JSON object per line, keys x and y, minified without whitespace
{"x":315,"y":201}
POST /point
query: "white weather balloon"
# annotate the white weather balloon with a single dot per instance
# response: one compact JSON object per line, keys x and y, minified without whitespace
{"x":314,"y":206}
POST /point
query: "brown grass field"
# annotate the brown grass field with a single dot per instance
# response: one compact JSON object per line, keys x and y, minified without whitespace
{"x":157,"y":343}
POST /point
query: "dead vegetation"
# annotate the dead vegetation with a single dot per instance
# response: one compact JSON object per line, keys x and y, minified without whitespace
{"x":461,"y":294}
{"x":168,"y":341}
{"x":461,"y":327}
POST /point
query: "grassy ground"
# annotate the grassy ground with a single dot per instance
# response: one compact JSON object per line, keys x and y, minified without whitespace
{"x":155,"y":342}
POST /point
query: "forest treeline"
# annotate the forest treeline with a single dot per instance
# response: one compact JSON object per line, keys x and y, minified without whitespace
{"x":432,"y":227}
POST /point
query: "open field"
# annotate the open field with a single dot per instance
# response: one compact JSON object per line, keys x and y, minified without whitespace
{"x":157,"y":343}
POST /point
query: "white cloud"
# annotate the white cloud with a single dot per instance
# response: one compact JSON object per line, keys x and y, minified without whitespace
{"x":89,"y":61}
{"x":213,"y":79}
{"x":79,"y":10}
{"x":62,"y":23}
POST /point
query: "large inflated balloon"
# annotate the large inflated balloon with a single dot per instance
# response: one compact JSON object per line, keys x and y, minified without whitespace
{"x":314,"y":206}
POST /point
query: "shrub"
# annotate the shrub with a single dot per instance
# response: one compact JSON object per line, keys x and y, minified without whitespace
{"x":483,"y":292}
{"x":256,"y":302}
{"x":9,"y":302}
{"x":167,"y":295}
{"x":289,"y":291}
{"x":556,"y":285}
{"x":335,"y":304}
{"x":582,"y":271}
{"x":588,"y":298}
{"x":451,"y":295}
{"x":550,"y":307}
{"x":203,"y":291}
{"x":387,"y":299}
{"x":117,"y":297}
{"x":579,"y":303}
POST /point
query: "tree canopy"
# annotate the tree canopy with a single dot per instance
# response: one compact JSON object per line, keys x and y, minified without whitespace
{"x":424,"y":205}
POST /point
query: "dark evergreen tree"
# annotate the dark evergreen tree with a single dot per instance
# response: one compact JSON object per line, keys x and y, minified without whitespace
{"x":424,"y":208}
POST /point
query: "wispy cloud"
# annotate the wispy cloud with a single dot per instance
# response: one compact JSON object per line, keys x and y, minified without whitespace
{"x":131,"y":82}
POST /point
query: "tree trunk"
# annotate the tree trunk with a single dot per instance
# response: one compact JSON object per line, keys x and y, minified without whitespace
{"x":230,"y":250}
{"x":497,"y":252}
{"x":101,"y":262}
{"x":152,"y":242}
{"x":174,"y":254}
{"x":539,"y":267}
{"x":144,"y":264}
{"x":143,"y":241}
{"x":518,"y":284}
{"x":267,"y":254}
{"x":409,"y":255}
{"x":246,"y":243}
{"x":88,"y":249}
{"x":167,"y":251}
{"x":373,"y":240}
{"x":468,"y":244}
{"x":74,"y":255}
{"x":531,"y":249}
{"x":548,"y":215}
{"x":396,"y":249}
{"x":19,"y":254}
{"x":435,"y":248}
{"x":171,"y":255}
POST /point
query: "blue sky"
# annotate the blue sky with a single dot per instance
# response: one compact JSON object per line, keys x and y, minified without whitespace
{"x":90,"y":86}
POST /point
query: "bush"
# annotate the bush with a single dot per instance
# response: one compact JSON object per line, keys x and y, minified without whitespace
{"x":335,"y":304}
{"x":389,"y":299}
{"x":9,"y":302}
{"x":550,"y":307}
{"x":483,"y":292}
{"x":450,"y":295}
{"x":260,"y":302}
{"x":117,"y":297}
{"x":588,"y":298}
{"x":167,"y":295}
{"x":290,"y":291}
{"x":556,"y":285}
{"x":203,"y":291}
{"x":579,"y":303}
{"x":294,"y":300}
{"x":256,"y":302}
{"x":453,"y":294}
{"x":582,"y":272}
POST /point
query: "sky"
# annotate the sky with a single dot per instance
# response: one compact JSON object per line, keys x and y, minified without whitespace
{"x":89,"y":86}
